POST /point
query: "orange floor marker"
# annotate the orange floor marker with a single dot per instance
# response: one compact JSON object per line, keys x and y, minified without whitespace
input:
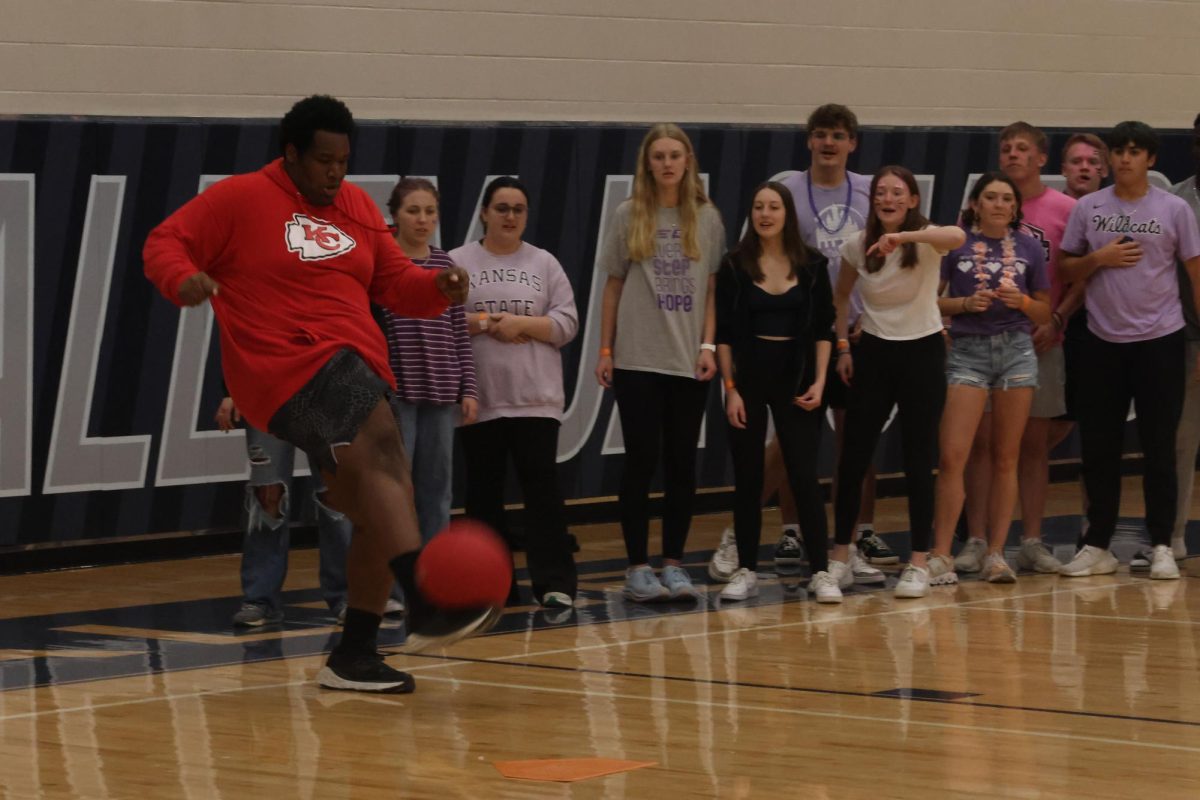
{"x":567,"y":770}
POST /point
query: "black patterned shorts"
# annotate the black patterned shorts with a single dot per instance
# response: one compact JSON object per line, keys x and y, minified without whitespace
{"x":330,"y":408}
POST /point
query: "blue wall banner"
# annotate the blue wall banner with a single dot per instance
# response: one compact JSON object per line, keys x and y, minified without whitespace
{"x":107,"y":391}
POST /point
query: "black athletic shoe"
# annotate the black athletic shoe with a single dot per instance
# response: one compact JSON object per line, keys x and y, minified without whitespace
{"x":363,"y":673}
{"x":443,"y":627}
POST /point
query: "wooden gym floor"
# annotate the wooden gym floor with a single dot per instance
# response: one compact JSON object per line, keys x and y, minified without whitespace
{"x":130,"y":682}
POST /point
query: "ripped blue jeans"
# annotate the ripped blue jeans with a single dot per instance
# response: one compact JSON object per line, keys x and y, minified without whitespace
{"x":265,"y":546}
{"x":1001,"y":361}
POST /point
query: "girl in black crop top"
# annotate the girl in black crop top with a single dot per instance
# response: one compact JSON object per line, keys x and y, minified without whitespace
{"x":774,"y":337}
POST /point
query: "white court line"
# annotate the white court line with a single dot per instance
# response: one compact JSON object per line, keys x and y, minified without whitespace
{"x":827,"y":714}
{"x":1114,"y":618}
{"x":451,"y":662}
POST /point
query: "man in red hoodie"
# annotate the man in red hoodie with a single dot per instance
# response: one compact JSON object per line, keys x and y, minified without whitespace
{"x":291,"y":257}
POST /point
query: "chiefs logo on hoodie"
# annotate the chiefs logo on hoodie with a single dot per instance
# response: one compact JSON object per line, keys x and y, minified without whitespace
{"x":315,"y":239}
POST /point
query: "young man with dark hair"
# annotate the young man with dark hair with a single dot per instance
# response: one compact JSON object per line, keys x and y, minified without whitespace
{"x":291,"y":257}
{"x":1023,"y":154}
{"x":1124,"y":241}
{"x":831,"y":207}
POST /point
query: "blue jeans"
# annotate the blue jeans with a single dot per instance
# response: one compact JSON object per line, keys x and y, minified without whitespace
{"x":428,"y":433}
{"x":265,"y":546}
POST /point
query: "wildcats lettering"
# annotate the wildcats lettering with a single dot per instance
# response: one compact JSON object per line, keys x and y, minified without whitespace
{"x":1122,"y":223}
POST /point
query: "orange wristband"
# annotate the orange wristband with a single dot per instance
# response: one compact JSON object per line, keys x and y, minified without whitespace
{"x":730,"y":386}
{"x":843,"y":345}
{"x":1025,"y":302}
{"x":605,"y":352}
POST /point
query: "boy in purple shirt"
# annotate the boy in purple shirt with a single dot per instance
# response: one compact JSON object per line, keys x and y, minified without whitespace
{"x":1123,"y":240}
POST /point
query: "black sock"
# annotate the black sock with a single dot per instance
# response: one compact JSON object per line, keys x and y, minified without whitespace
{"x":359,"y":633}
{"x":404,"y":566}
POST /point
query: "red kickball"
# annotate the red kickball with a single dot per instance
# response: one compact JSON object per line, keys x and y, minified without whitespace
{"x":465,"y":566}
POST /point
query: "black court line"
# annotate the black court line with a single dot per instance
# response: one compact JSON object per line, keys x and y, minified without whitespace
{"x":918,"y":696}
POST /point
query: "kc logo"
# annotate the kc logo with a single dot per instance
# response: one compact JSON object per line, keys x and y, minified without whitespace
{"x":316,"y":239}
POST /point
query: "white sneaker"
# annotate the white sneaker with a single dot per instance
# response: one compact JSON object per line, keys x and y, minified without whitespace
{"x":997,"y":570}
{"x":914,"y":582}
{"x":825,"y":587}
{"x":1036,"y":556}
{"x":393,"y":608}
{"x":841,"y":573}
{"x":862,"y":572}
{"x":743,"y":584}
{"x":724,"y":560}
{"x":1090,"y":561}
{"x":970,"y":559}
{"x":1163,"y":566}
{"x":642,"y":585}
{"x":941,"y":571}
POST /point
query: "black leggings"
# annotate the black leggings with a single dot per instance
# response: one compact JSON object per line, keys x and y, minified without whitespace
{"x":912,"y":375}
{"x":658,"y":413}
{"x":766,"y":378}
{"x":532,"y":442}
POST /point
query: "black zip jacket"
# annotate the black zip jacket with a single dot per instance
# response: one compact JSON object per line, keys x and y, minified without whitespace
{"x":812,"y":324}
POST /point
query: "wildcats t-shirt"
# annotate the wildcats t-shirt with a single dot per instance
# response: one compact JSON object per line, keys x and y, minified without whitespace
{"x":1134,"y":304}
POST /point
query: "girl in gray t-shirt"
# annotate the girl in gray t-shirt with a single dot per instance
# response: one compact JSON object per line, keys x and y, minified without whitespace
{"x":658,"y":321}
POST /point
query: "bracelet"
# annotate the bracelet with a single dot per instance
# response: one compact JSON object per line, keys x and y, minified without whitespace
{"x":1057,"y":319}
{"x":605,"y":352}
{"x":843,"y":345}
{"x":1025,"y":302}
{"x":965,"y":310}
{"x":844,"y":353}
{"x":483,"y":320}
{"x":730,"y":385}
{"x":709,"y":346}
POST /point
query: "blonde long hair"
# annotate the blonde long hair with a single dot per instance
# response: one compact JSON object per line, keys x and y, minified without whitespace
{"x":642,"y":227}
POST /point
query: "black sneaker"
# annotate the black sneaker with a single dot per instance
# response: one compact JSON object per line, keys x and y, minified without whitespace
{"x":1141,"y":560}
{"x":789,"y":552}
{"x":363,"y":673}
{"x":875,"y":550}
{"x":443,"y":627}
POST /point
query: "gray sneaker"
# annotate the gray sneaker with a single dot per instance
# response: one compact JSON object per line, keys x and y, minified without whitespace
{"x":253,"y":615}
{"x":1036,"y":556}
{"x":678,"y":583}
{"x":642,"y":586}
{"x":970,"y":558}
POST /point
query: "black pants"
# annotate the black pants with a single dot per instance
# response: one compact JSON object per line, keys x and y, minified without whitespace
{"x":1149,"y":373}
{"x":659,"y":414}
{"x":532,"y":443}
{"x":912,"y":375}
{"x":767,"y":378}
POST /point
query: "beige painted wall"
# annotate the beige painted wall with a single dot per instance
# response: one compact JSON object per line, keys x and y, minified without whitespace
{"x":902,"y":62}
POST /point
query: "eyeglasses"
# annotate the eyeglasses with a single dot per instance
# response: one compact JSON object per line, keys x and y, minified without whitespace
{"x":504,"y":209}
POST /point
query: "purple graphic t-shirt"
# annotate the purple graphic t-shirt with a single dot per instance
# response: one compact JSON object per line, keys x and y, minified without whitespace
{"x":984,"y":263}
{"x":1138,"y":303}
{"x":828,"y":221}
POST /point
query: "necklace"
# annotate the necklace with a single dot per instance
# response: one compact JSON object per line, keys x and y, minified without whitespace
{"x":1008,"y":260}
{"x":812,"y":203}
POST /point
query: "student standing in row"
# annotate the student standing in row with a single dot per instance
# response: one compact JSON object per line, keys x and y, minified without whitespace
{"x":900,"y":360}
{"x":1123,"y":240}
{"x":522,"y":310}
{"x":774,"y":336}
{"x":657,"y":350}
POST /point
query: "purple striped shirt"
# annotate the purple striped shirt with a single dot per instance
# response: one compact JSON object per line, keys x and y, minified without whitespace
{"x":432,"y":358}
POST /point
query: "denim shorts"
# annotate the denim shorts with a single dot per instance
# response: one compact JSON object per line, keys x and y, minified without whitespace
{"x":1001,"y":361}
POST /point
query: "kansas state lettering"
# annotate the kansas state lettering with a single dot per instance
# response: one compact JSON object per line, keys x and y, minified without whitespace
{"x":1122,"y":223}
{"x":674,"y":286}
{"x":512,"y":275}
